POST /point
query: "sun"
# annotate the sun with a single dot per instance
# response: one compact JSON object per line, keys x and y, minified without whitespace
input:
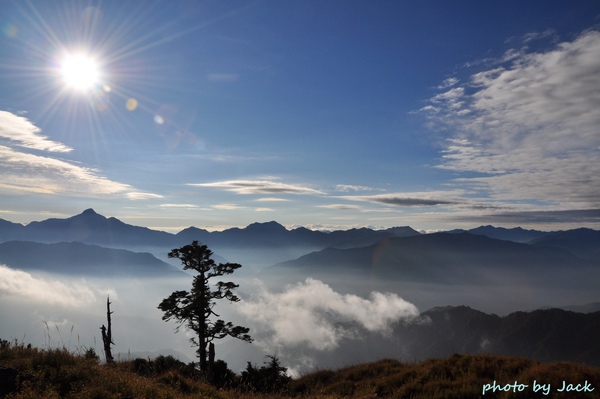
{"x":79,"y":71}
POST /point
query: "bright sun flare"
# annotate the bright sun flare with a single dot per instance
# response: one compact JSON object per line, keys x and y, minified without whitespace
{"x":79,"y":71}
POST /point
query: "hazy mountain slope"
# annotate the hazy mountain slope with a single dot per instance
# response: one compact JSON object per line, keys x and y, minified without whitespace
{"x":441,"y":258}
{"x":584,"y":243}
{"x":449,"y":330}
{"x":193,"y":234}
{"x":363,"y":237}
{"x":263,"y":235}
{"x":545,"y":335}
{"x":274,"y":235}
{"x":550,"y":334}
{"x":587,"y":308}
{"x":9,"y":230}
{"x":81,"y":259}
{"x":516,"y":234}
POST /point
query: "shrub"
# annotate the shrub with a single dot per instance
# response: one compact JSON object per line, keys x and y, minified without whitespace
{"x":271,"y":377}
{"x":90,"y":353}
{"x":222,"y":376}
{"x":159,"y":365}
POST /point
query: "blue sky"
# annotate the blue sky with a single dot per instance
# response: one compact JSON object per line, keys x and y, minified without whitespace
{"x":325,"y":114}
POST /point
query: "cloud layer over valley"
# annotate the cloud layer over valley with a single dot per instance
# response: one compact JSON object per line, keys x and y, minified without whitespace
{"x":20,"y":285}
{"x":308,"y":314}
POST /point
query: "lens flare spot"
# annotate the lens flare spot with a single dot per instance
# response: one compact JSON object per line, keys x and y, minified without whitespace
{"x":158,"y":120}
{"x":131,"y":104}
{"x":100,"y":100}
{"x":11,"y":31}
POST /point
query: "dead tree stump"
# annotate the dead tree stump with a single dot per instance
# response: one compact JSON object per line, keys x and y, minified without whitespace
{"x":107,"y":334}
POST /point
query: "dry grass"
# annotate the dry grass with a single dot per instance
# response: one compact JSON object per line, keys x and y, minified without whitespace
{"x":68,"y":375}
{"x":459,"y":376}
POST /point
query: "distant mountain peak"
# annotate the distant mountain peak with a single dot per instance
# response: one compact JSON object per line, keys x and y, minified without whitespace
{"x":89,"y":215}
{"x":267,"y":226}
{"x":89,"y":212}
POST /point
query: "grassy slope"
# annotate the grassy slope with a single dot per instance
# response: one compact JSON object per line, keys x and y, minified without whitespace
{"x":69,"y":375}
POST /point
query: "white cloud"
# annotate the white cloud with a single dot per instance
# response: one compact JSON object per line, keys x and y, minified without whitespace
{"x":185,"y":206}
{"x":530,"y":129}
{"x":142,"y":196}
{"x":448,"y":83}
{"x":271,"y":199}
{"x":450,"y":95}
{"x":532,"y":36}
{"x":227,"y":207}
{"x":307,"y":313}
{"x":22,"y":132}
{"x":22,"y":285}
{"x":429,"y":109}
{"x":22,"y":172}
{"x":349,"y":187}
{"x":260,"y":187}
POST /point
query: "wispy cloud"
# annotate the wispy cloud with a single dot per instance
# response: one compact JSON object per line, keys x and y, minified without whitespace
{"x":450,"y":98}
{"x":448,"y":83}
{"x":529,"y":130}
{"x":227,"y":207}
{"x":340,"y":207}
{"x":272,"y":199}
{"x":308,"y":314}
{"x":349,"y":187}
{"x":142,"y":196}
{"x":21,"y":132}
{"x":430,"y":198}
{"x":532,"y":36}
{"x":27,"y":172}
{"x":184,"y":206}
{"x":23,"y":172}
{"x":534,"y":217}
{"x":260,"y":187}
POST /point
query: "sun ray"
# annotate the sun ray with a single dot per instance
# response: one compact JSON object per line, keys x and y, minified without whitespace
{"x":85,"y":68}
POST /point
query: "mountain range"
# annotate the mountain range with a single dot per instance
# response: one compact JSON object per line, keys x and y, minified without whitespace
{"x":399,"y":253}
{"x":544,"y":335}
{"x":447,"y":258}
{"x":75,"y":258}
{"x":92,"y":228}
{"x":442,"y":267}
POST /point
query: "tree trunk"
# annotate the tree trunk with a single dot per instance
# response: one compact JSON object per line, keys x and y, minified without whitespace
{"x":202,"y":324}
{"x":211,"y":361}
{"x":202,"y":352}
{"x":107,"y":334}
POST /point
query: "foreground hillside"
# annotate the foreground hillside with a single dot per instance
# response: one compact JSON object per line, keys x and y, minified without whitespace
{"x":56,"y":373}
